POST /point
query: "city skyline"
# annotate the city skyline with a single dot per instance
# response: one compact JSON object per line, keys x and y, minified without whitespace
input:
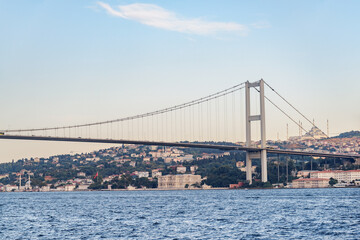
{"x":75,"y":62}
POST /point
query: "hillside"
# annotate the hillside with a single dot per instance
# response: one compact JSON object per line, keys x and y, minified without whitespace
{"x":349,"y":134}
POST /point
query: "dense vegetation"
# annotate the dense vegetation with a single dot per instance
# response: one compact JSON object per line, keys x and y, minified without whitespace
{"x":217,"y":171}
{"x":349,"y":134}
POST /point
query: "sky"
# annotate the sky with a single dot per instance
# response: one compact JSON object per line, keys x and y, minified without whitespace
{"x":71,"y":62}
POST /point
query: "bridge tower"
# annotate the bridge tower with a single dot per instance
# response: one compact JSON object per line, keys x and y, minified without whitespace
{"x":249,"y":118}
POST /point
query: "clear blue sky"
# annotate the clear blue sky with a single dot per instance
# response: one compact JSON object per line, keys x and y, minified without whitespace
{"x":69,"y":62}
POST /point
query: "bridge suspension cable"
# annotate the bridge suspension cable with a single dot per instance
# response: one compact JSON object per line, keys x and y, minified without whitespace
{"x":287,"y":115}
{"x":293,"y":107}
{"x":140,"y":116}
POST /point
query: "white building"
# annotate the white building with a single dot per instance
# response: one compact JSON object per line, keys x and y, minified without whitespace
{"x":10,"y":188}
{"x":156,"y":173}
{"x":81,"y":174}
{"x":69,"y":188}
{"x":45,"y":188}
{"x":143,"y":174}
{"x":193,"y":168}
{"x":310,"y":183}
{"x":341,"y":176}
{"x":181,"y":169}
{"x":83,"y":187}
{"x":178,"y":181}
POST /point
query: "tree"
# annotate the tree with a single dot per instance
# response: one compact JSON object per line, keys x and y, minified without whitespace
{"x":333,"y":181}
{"x":223,"y":176}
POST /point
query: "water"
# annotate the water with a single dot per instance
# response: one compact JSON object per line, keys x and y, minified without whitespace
{"x":210,"y":214}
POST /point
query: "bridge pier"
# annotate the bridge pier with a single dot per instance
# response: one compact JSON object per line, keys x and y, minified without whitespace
{"x":248,"y":167}
{"x":249,"y":119}
{"x":264,"y":177}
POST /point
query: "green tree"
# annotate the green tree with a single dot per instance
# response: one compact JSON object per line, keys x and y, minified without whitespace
{"x":333,"y":181}
{"x":223,"y":176}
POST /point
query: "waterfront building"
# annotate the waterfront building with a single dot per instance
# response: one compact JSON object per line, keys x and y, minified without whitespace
{"x":83,"y":187}
{"x":45,"y":188}
{"x":310,"y":183}
{"x":69,"y":187}
{"x":178,"y":181}
{"x":236,"y":185}
{"x":10,"y":188}
{"x":341,"y":176}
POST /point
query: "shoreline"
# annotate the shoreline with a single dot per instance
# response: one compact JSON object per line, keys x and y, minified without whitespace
{"x":180,"y":189}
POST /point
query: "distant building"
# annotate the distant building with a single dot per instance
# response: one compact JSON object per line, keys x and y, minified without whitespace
{"x":143,"y":174}
{"x":81,"y":174}
{"x":45,"y":188}
{"x":236,"y":185}
{"x":181,"y":169}
{"x":10,"y":188}
{"x":4,"y":176}
{"x":304,"y":173}
{"x":240,"y":164}
{"x":156,"y":173}
{"x":55,"y":160}
{"x":178,"y":181}
{"x":310,"y":183}
{"x":341,"y":176}
{"x":314,"y":133}
{"x":48,"y":178}
{"x":193,"y":169}
{"x":69,"y":188}
{"x":153,"y":148}
{"x":83,"y":187}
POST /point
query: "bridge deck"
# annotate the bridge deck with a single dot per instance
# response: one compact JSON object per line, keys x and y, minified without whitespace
{"x":179,"y":144}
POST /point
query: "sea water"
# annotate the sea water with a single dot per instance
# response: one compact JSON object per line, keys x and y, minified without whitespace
{"x":189,"y":214}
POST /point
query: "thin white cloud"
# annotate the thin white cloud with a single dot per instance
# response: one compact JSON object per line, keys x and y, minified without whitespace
{"x":261,"y":25}
{"x":155,"y":16}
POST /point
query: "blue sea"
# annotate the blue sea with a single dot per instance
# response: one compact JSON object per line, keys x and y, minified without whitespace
{"x":190,"y":214}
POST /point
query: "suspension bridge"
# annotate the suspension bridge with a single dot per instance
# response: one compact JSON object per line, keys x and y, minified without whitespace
{"x":212,"y":122}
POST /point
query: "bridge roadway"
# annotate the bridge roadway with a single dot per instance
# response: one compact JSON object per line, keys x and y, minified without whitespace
{"x":180,"y":144}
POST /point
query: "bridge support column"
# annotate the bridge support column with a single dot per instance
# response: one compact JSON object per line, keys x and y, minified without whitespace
{"x":249,"y":119}
{"x":248,"y":132}
{"x":248,"y":168}
{"x":264,"y":177}
{"x":264,"y":174}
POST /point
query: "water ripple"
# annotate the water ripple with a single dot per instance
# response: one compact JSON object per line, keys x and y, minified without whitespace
{"x":211,"y":214}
